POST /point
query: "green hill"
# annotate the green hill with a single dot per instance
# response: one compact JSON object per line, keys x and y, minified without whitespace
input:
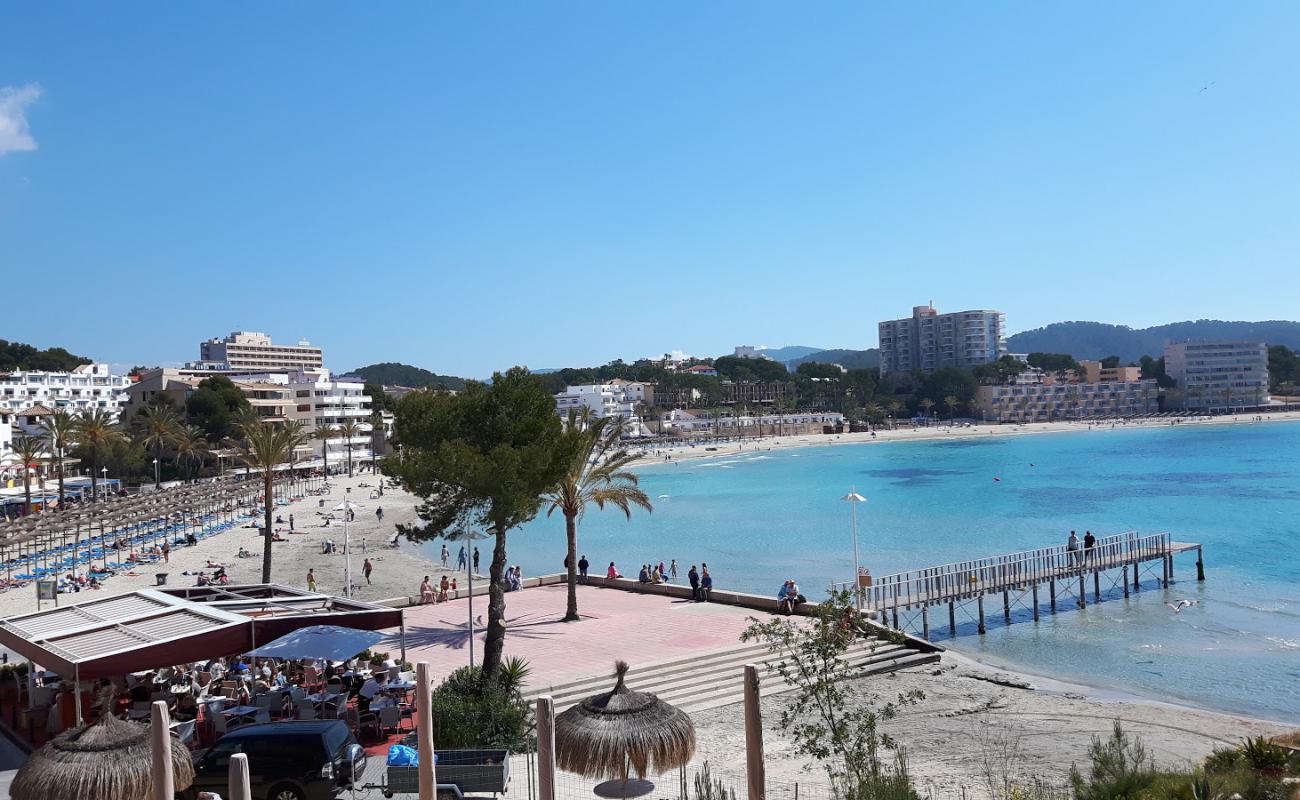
{"x":15,"y":356}
{"x":849,"y":359}
{"x":391,"y":373}
{"x":1095,"y":340}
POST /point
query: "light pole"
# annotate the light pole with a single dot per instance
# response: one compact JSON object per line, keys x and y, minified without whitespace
{"x":469,"y":537}
{"x":853,"y":498}
{"x":104,"y":480}
{"x":157,"y":477}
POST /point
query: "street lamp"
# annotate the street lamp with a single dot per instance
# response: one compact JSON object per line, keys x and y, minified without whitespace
{"x":157,"y":479}
{"x":853,"y":498}
{"x":469,"y":537}
{"x":103,"y":471}
{"x":346,"y":507}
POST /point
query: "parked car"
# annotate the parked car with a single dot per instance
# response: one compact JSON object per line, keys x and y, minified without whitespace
{"x":292,"y":760}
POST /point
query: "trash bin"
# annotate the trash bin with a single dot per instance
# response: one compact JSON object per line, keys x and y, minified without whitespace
{"x":161,"y":579}
{"x":322,"y":503}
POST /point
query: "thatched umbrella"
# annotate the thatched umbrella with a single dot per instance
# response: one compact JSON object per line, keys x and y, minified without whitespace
{"x":614,"y":734}
{"x":108,"y":760}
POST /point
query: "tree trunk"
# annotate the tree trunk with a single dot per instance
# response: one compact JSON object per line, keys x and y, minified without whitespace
{"x":325,"y":455}
{"x":157,"y":470}
{"x":349,"y":457}
{"x":60,"y":483}
{"x":495,"y":640}
{"x":94,"y":482}
{"x":571,"y":533}
{"x":27,"y":490}
{"x":266,"y":533}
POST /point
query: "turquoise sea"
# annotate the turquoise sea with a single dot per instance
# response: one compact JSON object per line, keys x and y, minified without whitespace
{"x":758,"y":519}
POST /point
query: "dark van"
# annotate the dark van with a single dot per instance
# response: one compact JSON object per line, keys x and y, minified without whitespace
{"x":294,"y":760}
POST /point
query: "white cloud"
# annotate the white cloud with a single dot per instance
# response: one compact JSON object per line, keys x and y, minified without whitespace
{"x":14,"y":133}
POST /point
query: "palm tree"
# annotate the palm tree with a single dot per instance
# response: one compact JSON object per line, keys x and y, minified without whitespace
{"x":265,"y":446}
{"x":873,"y":412}
{"x":595,"y":474}
{"x":895,"y":406}
{"x":323,"y":434}
{"x":157,"y":427}
{"x":191,"y":449}
{"x":95,"y":431}
{"x":926,"y":405}
{"x":60,"y":427}
{"x":30,"y":451}
{"x":349,"y":430}
{"x":952,"y":403}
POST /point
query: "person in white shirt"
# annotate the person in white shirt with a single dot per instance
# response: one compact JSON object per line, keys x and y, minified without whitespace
{"x":373,"y":686}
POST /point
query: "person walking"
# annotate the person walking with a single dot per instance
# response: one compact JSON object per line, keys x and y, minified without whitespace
{"x":379,"y":514}
{"x":445,"y":556}
{"x":291,"y":523}
{"x":583,"y":564}
{"x":366,"y":569}
{"x":311,"y":580}
{"x":694,"y":577}
{"x":167,"y":552}
{"x":460,"y":559}
{"x":475,"y":560}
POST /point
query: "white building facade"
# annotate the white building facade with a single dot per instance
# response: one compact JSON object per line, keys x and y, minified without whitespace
{"x":614,"y":399}
{"x":91,"y":386}
{"x":324,"y":401}
{"x":928,"y":341}
{"x":248,"y":352}
{"x":1217,"y":375}
{"x":1030,"y":400}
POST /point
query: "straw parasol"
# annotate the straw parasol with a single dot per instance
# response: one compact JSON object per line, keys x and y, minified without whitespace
{"x":620,"y":731}
{"x":107,"y":760}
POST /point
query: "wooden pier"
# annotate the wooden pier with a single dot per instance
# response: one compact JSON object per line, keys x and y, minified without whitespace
{"x":904,"y":600}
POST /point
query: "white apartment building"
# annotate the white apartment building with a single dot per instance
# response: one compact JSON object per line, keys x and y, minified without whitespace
{"x":253,"y":352}
{"x":928,"y":341}
{"x":701,"y":422}
{"x":618,"y":398}
{"x":1217,"y":375}
{"x":1038,"y":398}
{"x":90,"y":386}
{"x":324,"y":401}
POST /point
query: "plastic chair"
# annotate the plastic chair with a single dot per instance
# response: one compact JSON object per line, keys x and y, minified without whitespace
{"x":390,"y":718}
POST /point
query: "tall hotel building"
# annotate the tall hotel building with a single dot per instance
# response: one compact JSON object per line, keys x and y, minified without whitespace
{"x":928,"y":340}
{"x":251,"y":352}
{"x":1217,"y":375}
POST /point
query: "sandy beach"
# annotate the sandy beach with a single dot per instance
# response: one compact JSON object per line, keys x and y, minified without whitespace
{"x":1048,"y":724}
{"x":686,"y":452}
{"x":975,"y":718}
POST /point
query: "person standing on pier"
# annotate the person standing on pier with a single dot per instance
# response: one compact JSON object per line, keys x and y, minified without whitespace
{"x":694,"y":578}
{"x":1072,"y":547}
{"x":1089,"y":542}
{"x":445,"y":556}
{"x":583,"y":565}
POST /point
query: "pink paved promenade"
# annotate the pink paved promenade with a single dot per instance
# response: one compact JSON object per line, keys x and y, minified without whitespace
{"x":638,"y":628}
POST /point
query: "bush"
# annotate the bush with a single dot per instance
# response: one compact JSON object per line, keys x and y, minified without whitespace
{"x":1261,"y":754}
{"x":1222,"y":759}
{"x":467,"y":714}
{"x":1121,"y":769}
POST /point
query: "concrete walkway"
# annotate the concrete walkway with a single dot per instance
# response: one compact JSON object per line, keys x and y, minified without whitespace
{"x":639,"y":628}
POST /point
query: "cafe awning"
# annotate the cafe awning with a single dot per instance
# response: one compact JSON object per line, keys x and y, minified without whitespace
{"x":153,"y":628}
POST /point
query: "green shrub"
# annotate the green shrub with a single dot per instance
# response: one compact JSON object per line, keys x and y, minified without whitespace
{"x":1223,"y":759}
{"x":1259,"y":753}
{"x":1121,"y":769}
{"x":464,"y":713}
{"x":706,"y":788}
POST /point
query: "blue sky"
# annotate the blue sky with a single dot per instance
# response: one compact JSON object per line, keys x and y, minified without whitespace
{"x":466,"y":186}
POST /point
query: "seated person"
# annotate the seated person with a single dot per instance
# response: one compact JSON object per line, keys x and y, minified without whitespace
{"x":372,"y":687}
{"x":187,"y":708}
{"x":612,"y":573}
{"x":644,"y":576}
{"x":426,"y":591}
{"x":443,"y":586}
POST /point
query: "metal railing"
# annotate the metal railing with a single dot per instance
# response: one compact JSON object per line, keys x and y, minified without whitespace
{"x":962,"y":580}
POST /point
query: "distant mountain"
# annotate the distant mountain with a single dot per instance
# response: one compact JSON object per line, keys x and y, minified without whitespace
{"x":393,"y":374}
{"x":789,"y":353}
{"x":849,"y":359}
{"x":1094,"y":340}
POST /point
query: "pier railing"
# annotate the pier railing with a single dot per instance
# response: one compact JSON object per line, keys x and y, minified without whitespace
{"x":962,"y":580}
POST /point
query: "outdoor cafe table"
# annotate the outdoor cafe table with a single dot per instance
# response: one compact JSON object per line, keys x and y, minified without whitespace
{"x":322,"y":697}
{"x":239,"y":711}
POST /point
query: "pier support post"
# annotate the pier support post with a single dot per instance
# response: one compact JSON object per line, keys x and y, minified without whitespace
{"x":1006,"y":605}
{"x":925,"y":622}
{"x":1051,"y":587}
{"x":1083,"y":593}
{"x":896,"y":615}
{"x":1096,"y":586}
{"x":952,"y":618}
{"x":1035,"y":602}
{"x":1126,"y":580}
{"x":1171,"y":567}
{"x":1137,"y":569}
{"x":980,"y":602}
{"x":1200,"y":566}
{"x":1164,"y":571}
